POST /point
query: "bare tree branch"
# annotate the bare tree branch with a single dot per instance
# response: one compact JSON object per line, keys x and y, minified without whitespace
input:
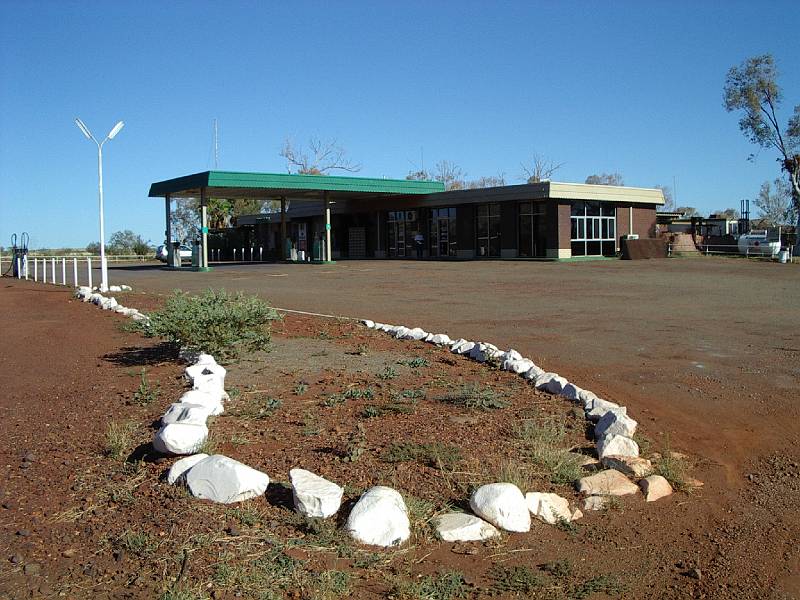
{"x":538,"y":169}
{"x":322,"y":157}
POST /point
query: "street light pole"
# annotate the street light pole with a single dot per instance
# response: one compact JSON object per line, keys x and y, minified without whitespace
{"x":111,"y":134}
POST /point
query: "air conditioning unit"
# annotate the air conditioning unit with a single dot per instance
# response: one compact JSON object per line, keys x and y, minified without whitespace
{"x":632,"y":236}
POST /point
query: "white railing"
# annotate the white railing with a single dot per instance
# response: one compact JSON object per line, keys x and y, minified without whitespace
{"x":53,"y":269}
{"x":733,"y":250}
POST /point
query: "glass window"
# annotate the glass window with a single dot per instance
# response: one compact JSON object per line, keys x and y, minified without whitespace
{"x":578,"y":209}
{"x":593,"y":209}
{"x":593,"y":231}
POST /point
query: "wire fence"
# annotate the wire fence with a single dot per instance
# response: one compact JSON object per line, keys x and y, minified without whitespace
{"x":74,"y":270}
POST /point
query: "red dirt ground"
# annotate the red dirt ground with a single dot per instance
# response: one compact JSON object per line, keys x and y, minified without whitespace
{"x":68,"y":370}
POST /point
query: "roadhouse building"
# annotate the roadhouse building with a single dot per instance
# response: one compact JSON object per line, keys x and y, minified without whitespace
{"x":356,"y":217}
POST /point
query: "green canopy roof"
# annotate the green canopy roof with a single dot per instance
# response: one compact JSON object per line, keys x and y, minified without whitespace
{"x":230,"y":184}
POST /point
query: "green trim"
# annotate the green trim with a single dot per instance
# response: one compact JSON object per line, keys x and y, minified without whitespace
{"x":283,"y":182}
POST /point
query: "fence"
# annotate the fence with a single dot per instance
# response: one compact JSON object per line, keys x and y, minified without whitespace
{"x":765,"y":252}
{"x":54,"y":269}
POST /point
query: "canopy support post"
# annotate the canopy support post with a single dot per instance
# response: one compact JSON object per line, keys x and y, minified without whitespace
{"x":283,"y":228}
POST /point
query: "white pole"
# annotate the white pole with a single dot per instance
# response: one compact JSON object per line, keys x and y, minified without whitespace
{"x":261,"y":254}
{"x":36,"y":269}
{"x":103,"y":265}
{"x":63,"y":270}
{"x":243,"y":259}
{"x":53,"y":268}
{"x":75,"y":270}
{"x":19,"y":268}
{"x":25,"y":266}
{"x":234,"y":255}
{"x":44,"y":270}
{"x":89,"y":270}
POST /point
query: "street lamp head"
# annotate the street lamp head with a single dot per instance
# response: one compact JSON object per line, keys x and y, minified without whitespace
{"x":84,"y":129}
{"x":116,"y":130}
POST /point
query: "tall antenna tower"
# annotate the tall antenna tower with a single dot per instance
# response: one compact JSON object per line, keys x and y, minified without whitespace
{"x":216,"y":145}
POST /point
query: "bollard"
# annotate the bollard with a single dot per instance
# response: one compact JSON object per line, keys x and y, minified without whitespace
{"x":63,"y":270}
{"x":19,"y":268}
{"x":75,"y":270}
{"x":53,"y":267}
{"x":242,"y":254}
{"x":261,"y":254}
{"x":251,"y":254}
{"x":89,"y":270}
{"x":234,"y":255}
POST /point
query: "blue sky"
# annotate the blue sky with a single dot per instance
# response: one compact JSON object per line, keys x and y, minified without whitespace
{"x":631,"y":87}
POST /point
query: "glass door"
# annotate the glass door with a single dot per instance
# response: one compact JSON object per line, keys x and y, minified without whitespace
{"x":532,"y":230}
{"x":443,"y":232}
{"x":488,"y":230}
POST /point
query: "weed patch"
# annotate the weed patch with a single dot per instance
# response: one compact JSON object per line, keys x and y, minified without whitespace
{"x":387,"y":373}
{"x":518,"y":580}
{"x":449,"y":585}
{"x":543,"y":443}
{"x":436,"y":455}
{"x":145,"y":394}
{"x":474,"y":396}
{"x":119,"y":439}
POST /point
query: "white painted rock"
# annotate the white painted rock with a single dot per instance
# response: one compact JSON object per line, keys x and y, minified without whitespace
{"x":114,"y":288}
{"x":125,"y":288}
{"x":313,"y":495}
{"x":140,"y":317}
{"x":607,"y":483}
{"x":180,"y":438}
{"x":616,"y":445}
{"x":632,"y":466}
{"x":415,"y":334}
{"x":615,"y":422}
{"x":400,"y":332}
{"x":211,"y":400}
{"x":440,"y":339}
{"x":518,"y":366}
{"x":600,"y":407}
{"x":180,"y":468}
{"x":586,"y":398}
{"x":655,"y":487}
{"x":533,"y":373}
{"x":461,"y":527}
{"x":224,"y":480}
{"x":551,"y":382}
{"x":379,"y":518}
{"x":368,"y":323}
{"x":503,"y":505}
{"x":213,"y":383}
{"x":596,"y":503}
{"x":205,"y":368}
{"x":109,"y":304}
{"x":186,"y":412}
{"x":550,"y":508}
{"x":511,"y":355}
{"x":571,"y":392}
{"x":464,"y":348}
{"x":428,"y":338}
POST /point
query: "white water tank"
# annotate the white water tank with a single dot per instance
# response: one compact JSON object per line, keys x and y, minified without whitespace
{"x":757,"y":244}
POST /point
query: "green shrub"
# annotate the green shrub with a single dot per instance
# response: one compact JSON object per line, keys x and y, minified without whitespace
{"x":473,"y":396}
{"x":221,"y":324}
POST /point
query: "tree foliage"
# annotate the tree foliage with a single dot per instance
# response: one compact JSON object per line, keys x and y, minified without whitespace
{"x":729,"y":213}
{"x":318,"y":158}
{"x":605,"y":179}
{"x":752,"y":90}
{"x":688,"y":211}
{"x":669,"y":199}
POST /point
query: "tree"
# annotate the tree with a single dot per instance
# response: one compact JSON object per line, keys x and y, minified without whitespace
{"x":752,"y":88}
{"x":775,"y":205}
{"x":605,"y":179}
{"x":669,"y":200}
{"x":729,"y":213}
{"x":185,"y":220}
{"x":487,"y":181}
{"x":321,"y":157}
{"x":93,"y":248}
{"x":127,"y":242}
{"x":688,"y":211}
{"x":450,"y":174}
{"x":539,"y":168}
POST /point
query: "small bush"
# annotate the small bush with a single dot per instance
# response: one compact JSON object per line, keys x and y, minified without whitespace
{"x":416,"y":362}
{"x":137,"y":543}
{"x":544,"y":444}
{"x":221,"y":324}
{"x":519,"y":580}
{"x":449,"y":585}
{"x":388,"y":373}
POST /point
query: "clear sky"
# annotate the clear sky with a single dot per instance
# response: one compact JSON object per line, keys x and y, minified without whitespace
{"x":631,"y":87}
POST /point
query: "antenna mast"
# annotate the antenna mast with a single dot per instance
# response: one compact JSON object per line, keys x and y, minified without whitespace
{"x":216,"y":146}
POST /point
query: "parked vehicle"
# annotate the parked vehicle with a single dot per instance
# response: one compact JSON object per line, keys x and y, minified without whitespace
{"x":185,"y":252}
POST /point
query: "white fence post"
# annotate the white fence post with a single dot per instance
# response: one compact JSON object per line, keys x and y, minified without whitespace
{"x":75,"y":270}
{"x":53,"y":267}
{"x":36,"y":269}
{"x":25,"y":266}
{"x":89,"y":270}
{"x":63,"y":270}
{"x":19,"y":268}
{"x":44,"y":270}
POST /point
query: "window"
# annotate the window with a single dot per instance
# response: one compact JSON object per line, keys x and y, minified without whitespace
{"x":532,"y":229}
{"x":488,"y":229}
{"x":593,"y":229}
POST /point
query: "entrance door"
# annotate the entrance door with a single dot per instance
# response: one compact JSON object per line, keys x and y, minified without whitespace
{"x":443,"y":232}
{"x":401,"y":224}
